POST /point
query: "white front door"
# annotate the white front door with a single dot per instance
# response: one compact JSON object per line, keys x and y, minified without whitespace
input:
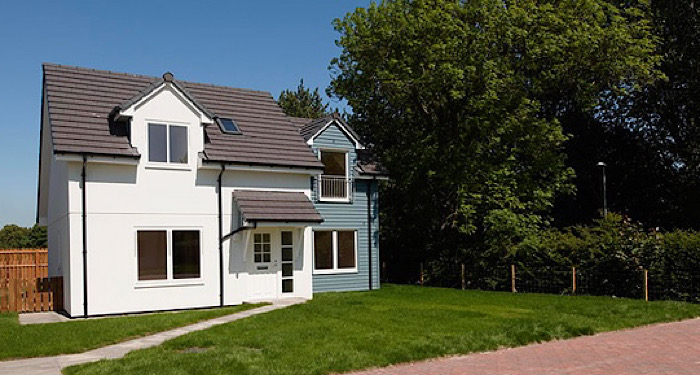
{"x":264,"y":266}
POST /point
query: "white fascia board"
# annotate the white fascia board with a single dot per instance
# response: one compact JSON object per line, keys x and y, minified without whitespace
{"x":98,"y":159}
{"x":129,"y":112}
{"x":345,"y":130}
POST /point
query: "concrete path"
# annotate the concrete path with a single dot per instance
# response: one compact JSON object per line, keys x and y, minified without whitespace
{"x":669,"y":348}
{"x":53,"y":365}
{"x":42,"y":317}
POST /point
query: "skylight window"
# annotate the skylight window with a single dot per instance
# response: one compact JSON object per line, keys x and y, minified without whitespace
{"x":228,"y":126}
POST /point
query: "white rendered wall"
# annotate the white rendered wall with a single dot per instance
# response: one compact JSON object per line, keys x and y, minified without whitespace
{"x":122,"y":198}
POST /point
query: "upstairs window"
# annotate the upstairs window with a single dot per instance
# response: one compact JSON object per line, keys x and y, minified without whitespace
{"x":167,"y":143}
{"x":334,"y":183}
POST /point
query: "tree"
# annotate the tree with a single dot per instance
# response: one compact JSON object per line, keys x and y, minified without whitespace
{"x":302,"y":102}
{"x":650,"y":137}
{"x":15,"y":237}
{"x":462,"y":100}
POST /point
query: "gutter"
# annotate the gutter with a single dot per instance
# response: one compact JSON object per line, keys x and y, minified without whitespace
{"x":237,"y":230}
{"x":83,"y":177}
{"x":221,"y":242}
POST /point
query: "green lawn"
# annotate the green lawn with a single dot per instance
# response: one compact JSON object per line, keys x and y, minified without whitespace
{"x":338,"y":332}
{"x":37,"y":340}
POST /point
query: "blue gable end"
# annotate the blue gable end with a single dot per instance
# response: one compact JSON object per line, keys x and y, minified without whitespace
{"x":350,"y":215}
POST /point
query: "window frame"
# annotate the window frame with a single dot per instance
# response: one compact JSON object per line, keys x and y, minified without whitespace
{"x":348,"y":185}
{"x":167,"y":164}
{"x":262,"y":252}
{"x":170,"y":280}
{"x":334,"y":251}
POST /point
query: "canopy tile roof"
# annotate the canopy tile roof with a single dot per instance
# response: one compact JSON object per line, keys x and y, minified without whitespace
{"x":275,"y":206}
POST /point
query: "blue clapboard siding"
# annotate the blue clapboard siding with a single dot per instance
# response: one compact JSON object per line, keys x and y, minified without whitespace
{"x":352,"y":216}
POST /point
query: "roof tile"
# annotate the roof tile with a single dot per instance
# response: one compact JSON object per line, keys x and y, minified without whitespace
{"x":80,"y":101}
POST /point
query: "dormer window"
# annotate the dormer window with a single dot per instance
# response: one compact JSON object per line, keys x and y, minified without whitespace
{"x":334,"y":183}
{"x":228,"y":126}
{"x":167,"y":144}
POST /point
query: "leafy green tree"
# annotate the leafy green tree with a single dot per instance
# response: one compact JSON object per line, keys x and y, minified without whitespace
{"x":462,"y":100}
{"x":303,"y":102}
{"x":15,"y":237}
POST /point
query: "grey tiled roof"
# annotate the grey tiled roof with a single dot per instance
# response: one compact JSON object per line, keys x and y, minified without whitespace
{"x":273,"y":206}
{"x":368,"y":165}
{"x":313,"y":126}
{"x":81,"y":101}
{"x":299,"y":121}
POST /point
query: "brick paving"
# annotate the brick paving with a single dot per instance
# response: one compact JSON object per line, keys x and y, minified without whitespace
{"x":661,"y":349}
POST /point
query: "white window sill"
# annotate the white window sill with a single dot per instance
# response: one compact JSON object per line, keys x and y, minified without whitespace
{"x":334,"y":200}
{"x":335,"y":271}
{"x":168,"y":283}
{"x":169,"y":166}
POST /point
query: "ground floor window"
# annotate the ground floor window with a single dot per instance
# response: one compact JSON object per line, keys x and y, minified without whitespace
{"x":168,"y":254}
{"x":262,"y":248}
{"x":335,"y":250}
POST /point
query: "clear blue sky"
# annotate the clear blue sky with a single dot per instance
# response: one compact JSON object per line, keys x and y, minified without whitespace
{"x":265,"y":45}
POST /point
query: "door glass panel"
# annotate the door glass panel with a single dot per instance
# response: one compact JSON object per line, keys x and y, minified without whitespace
{"x":286,"y":238}
{"x":152,"y":248}
{"x":287,"y":269}
{"x":333,"y":163}
{"x":287,"y":254}
{"x":287,"y":286}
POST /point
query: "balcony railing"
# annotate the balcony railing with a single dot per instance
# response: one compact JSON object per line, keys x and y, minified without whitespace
{"x":334,"y":187}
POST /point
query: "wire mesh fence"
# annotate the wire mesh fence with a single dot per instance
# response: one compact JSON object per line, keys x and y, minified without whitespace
{"x":677,"y":284}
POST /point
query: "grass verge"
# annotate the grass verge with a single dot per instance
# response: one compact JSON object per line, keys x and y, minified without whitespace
{"x":339,"y":332}
{"x":75,"y":336}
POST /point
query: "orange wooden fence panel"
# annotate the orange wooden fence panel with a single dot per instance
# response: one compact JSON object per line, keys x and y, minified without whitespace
{"x":43,"y":294}
{"x":24,"y":282}
{"x":24,"y":264}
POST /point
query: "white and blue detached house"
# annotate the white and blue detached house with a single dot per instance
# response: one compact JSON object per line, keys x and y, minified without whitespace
{"x":162,"y":194}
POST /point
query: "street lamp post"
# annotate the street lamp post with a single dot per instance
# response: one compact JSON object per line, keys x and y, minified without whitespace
{"x":602,"y":166}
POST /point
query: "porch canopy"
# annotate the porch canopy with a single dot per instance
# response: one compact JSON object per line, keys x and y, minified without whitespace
{"x":275,"y":207}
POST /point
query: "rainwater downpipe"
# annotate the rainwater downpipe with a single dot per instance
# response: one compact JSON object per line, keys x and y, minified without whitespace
{"x":83,"y":177}
{"x":369,"y":229}
{"x":221,"y":241}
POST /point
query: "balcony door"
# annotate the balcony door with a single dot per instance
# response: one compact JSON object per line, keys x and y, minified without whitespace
{"x":334,"y":183}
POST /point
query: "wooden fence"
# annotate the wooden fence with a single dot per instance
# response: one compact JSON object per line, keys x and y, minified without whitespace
{"x":24,"y":264}
{"x":44,"y":294}
{"x":24,"y":282}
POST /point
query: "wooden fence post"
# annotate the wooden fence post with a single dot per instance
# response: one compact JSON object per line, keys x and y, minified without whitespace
{"x":512,"y":278}
{"x":573,"y":280}
{"x":386,"y":278}
{"x":464,"y":279}
{"x":646,"y":285}
{"x":421,"y":274}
